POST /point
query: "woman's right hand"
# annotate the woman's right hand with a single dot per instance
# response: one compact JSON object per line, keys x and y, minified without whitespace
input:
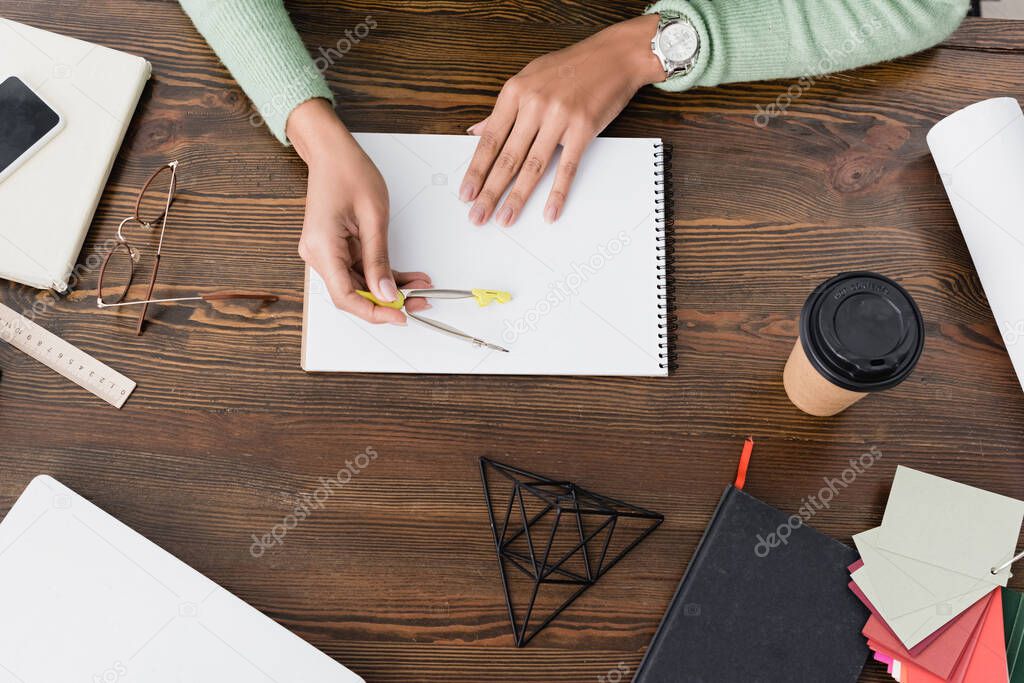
{"x":345,"y":232}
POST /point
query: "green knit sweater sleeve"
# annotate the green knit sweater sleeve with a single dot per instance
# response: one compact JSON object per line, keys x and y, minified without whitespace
{"x":260,"y":47}
{"x":751,"y":40}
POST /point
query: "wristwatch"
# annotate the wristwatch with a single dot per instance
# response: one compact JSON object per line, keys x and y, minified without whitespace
{"x":676,"y":44}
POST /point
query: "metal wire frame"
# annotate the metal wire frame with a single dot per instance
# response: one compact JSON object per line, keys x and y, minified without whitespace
{"x":561,"y":498}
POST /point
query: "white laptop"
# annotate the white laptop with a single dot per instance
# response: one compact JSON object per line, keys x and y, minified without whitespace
{"x":85,"y":598}
{"x":47,"y":204}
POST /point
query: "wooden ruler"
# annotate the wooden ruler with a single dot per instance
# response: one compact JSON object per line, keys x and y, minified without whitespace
{"x":64,"y":358}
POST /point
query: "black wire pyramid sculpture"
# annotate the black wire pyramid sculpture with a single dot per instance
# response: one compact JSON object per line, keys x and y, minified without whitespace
{"x":554,"y":540}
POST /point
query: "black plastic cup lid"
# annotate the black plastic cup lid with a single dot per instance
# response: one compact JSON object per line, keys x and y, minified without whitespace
{"x":862,"y":331}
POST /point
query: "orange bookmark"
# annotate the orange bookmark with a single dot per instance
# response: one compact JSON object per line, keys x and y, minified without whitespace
{"x":741,"y":471}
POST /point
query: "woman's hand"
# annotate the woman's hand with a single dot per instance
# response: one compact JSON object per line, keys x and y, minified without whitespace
{"x":566,"y":97}
{"x":345,"y":232}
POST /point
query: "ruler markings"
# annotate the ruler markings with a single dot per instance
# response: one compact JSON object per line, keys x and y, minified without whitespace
{"x":64,"y":358}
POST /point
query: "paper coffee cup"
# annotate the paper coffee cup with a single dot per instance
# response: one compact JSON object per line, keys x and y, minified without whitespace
{"x":859,"y":333}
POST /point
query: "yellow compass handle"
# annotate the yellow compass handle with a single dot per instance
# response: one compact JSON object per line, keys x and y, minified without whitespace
{"x":488,"y":296}
{"x":396,"y":304}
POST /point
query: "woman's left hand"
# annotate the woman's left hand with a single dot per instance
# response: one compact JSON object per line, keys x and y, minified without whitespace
{"x":566,"y":97}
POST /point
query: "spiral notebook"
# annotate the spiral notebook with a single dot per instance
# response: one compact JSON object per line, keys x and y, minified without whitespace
{"x":588,"y":292}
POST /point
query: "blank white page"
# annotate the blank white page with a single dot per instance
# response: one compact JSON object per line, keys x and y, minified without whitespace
{"x":979,"y":152}
{"x":587,"y":290}
{"x":85,"y":598}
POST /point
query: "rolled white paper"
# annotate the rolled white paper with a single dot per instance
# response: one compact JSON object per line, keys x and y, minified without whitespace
{"x":979,"y":152}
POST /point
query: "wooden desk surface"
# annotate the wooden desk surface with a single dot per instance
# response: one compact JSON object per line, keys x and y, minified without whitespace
{"x":396,"y":576}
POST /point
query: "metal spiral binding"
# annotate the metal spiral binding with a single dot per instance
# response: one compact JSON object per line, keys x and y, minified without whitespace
{"x":661,"y":242}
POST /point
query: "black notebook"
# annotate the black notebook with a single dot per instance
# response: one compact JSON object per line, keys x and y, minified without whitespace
{"x":764,"y":599}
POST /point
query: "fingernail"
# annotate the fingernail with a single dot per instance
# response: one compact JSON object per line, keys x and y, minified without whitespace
{"x":388,"y":289}
{"x":505,"y":216}
{"x":476,"y":215}
{"x":467,"y":192}
{"x":401,"y":324}
{"x":472,"y":128}
{"x":550,"y":213}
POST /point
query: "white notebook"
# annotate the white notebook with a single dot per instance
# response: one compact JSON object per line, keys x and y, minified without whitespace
{"x":588,"y":292}
{"x":85,"y":598}
{"x":47,"y":205}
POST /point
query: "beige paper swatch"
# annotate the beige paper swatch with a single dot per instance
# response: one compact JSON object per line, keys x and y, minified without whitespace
{"x":951,"y":525}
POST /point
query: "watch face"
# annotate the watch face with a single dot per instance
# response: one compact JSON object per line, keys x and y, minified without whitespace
{"x":678,"y":41}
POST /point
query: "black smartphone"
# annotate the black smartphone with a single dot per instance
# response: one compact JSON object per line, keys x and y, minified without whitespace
{"x":27,"y":123}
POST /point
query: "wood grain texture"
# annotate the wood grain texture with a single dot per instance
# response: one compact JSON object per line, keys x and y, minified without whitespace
{"x":395,"y":576}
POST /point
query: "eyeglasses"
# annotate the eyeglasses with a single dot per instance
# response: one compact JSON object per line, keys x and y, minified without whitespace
{"x":118,"y":270}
